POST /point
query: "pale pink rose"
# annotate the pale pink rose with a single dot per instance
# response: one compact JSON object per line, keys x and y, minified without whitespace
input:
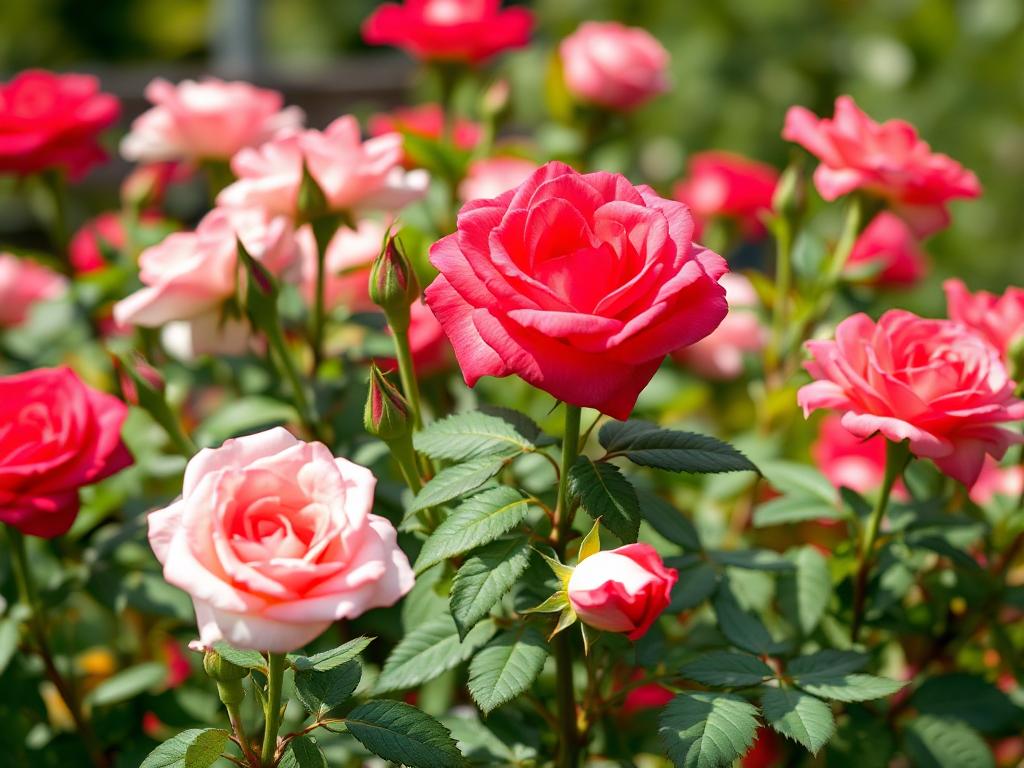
{"x":352,"y":173}
{"x":1000,"y":319}
{"x":207,"y":120}
{"x":996,"y":480}
{"x":622,"y":590}
{"x":347,"y":265}
{"x":189,"y":275}
{"x":23,"y":283}
{"x":887,"y":159}
{"x":889,"y":247}
{"x":491,"y":176}
{"x":614,"y":66}
{"x":274,"y":540}
{"x":935,"y":383}
{"x":720,"y":355}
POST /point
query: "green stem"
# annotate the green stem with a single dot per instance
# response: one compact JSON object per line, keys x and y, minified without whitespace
{"x":847,"y":239}
{"x":323,"y":231}
{"x":235,"y":717}
{"x":783,"y":286}
{"x":272,"y":714}
{"x":287,"y":364}
{"x":56,"y":186}
{"x":38,"y":626}
{"x":404,"y":454}
{"x":896,"y":457}
{"x":407,"y":375}
{"x":568,"y":737}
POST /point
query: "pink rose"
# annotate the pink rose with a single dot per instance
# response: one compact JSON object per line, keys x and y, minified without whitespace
{"x":848,"y":460}
{"x":719,"y":355}
{"x":888,"y":245}
{"x":208,"y":120}
{"x":996,"y":480}
{"x":53,"y":121}
{"x":425,"y":121}
{"x":579,"y":284}
{"x":350,"y":172}
{"x":612,"y":65}
{"x":23,"y":283}
{"x":935,"y":383}
{"x":724,"y":184}
{"x":58,"y":435}
{"x":189,"y":275}
{"x":1000,"y":319}
{"x":274,"y":540}
{"x":460,"y":30}
{"x":490,"y":176}
{"x":622,"y":590}
{"x":887,"y":159}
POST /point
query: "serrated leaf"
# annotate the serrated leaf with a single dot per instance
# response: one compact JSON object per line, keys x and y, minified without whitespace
{"x":522,"y":423}
{"x":240,"y":657}
{"x":707,"y":730}
{"x":795,"y":508}
{"x":851,"y":687}
{"x":826,"y":664}
{"x":966,"y":697}
{"x":332,"y":658}
{"x":727,"y":669}
{"x":303,"y":752}
{"x":945,"y":742}
{"x":695,"y":585}
{"x":606,"y":494}
{"x":506,"y":667}
{"x":128,"y":683}
{"x":470,"y":435}
{"x":804,"y":594}
{"x":396,"y":731}
{"x":485,"y":577}
{"x":802,"y":718}
{"x":428,"y":650}
{"x":676,"y":451}
{"x":194,"y":748}
{"x":456,"y":481}
{"x":668,"y":521}
{"x":477,"y":521}
{"x":322,"y":691}
{"x":743,"y":628}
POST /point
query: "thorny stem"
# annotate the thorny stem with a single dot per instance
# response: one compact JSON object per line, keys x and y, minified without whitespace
{"x":275,"y":675}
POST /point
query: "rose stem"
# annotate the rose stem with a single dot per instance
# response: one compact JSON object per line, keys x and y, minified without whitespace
{"x":37,"y":623}
{"x":235,"y":718}
{"x":323,"y":231}
{"x":783,"y":283}
{"x":272,"y":714}
{"x":407,"y":374}
{"x":568,"y":738}
{"x":280,"y":348}
{"x":896,"y":457}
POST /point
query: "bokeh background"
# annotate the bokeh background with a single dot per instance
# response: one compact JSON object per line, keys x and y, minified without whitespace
{"x":952,"y":67}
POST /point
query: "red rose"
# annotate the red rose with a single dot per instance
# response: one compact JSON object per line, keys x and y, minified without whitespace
{"x":724,"y":184}
{"x":425,"y":121}
{"x":52,"y":121}
{"x":58,"y":434}
{"x":887,"y":243}
{"x":579,"y":284}
{"x":463,"y":30}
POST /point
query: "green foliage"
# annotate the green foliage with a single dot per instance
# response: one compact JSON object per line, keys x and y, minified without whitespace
{"x":606,"y":495}
{"x":506,"y":667}
{"x":303,"y":752}
{"x":240,"y":657}
{"x":804,"y":593}
{"x":128,"y":683}
{"x":455,"y":481}
{"x":707,"y":730}
{"x":428,"y":650}
{"x":944,"y":742}
{"x":485,"y":577}
{"x":320,"y":691}
{"x":194,"y":748}
{"x":667,"y":520}
{"x":727,"y":669}
{"x":335,"y":657}
{"x":470,"y":435}
{"x":650,"y":446}
{"x":798,"y":716}
{"x":396,"y":731}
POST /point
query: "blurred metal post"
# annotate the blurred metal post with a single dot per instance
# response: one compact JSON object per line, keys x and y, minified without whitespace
{"x":237,"y":37}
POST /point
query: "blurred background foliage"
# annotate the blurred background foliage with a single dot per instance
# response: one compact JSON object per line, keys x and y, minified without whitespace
{"x":951,"y":67}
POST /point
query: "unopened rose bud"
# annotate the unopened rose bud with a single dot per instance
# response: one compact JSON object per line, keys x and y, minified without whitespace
{"x":788,"y":200}
{"x":260,"y":291}
{"x":137,"y":374}
{"x":394,"y":286}
{"x":222,"y":670}
{"x":387,"y":411}
{"x":621,"y":590}
{"x":312,"y":201}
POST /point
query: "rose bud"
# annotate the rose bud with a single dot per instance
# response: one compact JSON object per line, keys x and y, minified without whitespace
{"x":622,"y":590}
{"x":394,"y":286}
{"x":387,"y":411}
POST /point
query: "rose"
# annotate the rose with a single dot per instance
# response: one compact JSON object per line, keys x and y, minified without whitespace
{"x":615,"y":66}
{"x":720,"y":354}
{"x":849,"y":461}
{"x":1000,"y":319}
{"x":207,"y":120}
{"x":887,"y":247}
{"x":724,"y":184}
{"x":58,"y":435}
{"x":490,"y":176}
{"x":23,"y":283}
{"x":621,"y":590}
{"x":190,"y":274}
{"x":934,"y":383}
{"x":579,"y":284}
{"x":886,"y":159}
{"x":351,"y":173}
{"x":996,"y":480}
{"x":460,"y":30}
{"x":425,"y":121}
{"x":52,"y":121}
{"x":274,"y":541}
